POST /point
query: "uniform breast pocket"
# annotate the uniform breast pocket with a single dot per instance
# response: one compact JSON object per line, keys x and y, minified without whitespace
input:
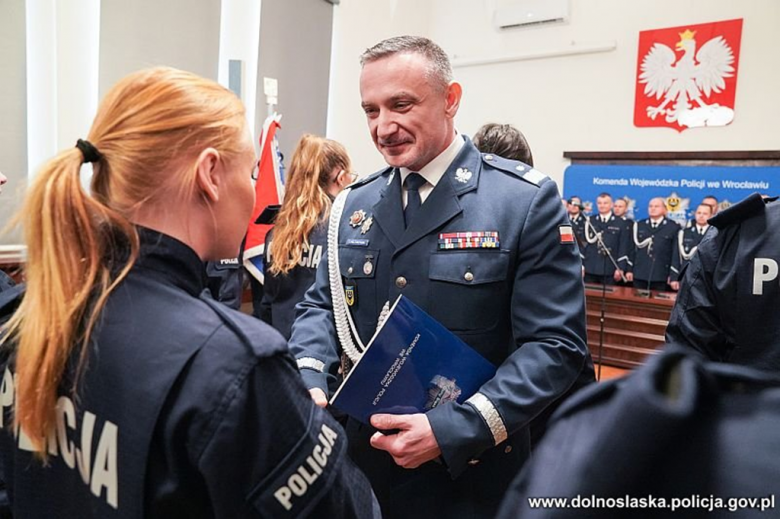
{"x":469,"y":289}
{"x":358,"y":270}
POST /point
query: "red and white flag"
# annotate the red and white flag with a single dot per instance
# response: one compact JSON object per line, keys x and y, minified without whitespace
{"x":269,"y":190}
{"x":686,"y":76}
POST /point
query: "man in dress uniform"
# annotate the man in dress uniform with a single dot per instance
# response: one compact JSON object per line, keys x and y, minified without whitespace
{"x":482,"y":244}
{"x":574,"y":207}
{"x":730,"y":293}
{"x":687,"y":241}
{"x":680,"y":437}
{"x":620,"y":209}
{"x":712,"y":202}
{"x":605,"y":232}
{"x":654,"y":239}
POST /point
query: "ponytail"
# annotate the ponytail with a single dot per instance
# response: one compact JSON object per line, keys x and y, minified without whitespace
{"x":148,"y":131}
{"x":306,"y":201}
{"x":78,"y":251}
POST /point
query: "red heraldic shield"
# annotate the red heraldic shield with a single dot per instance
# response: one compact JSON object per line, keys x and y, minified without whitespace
{"x":686,"y":76}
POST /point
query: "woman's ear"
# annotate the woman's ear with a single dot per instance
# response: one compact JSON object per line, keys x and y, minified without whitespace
{"x":207,"y":174}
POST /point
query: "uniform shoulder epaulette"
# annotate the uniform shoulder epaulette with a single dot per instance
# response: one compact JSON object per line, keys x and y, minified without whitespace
{"x":370,"y":178}
{"x":752,"y":205}
{"x":516,"y":168}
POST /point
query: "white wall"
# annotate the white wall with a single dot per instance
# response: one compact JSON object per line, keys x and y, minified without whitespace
{"x":239,"y":39}
{"x":576,"y":103}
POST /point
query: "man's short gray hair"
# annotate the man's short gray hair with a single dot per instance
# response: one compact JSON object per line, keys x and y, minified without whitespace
{"x":439,"y":70}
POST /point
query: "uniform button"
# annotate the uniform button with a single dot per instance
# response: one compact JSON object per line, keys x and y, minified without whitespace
{"x":473,"y":462}
{"x":488,"y":157}
{"x":468,"y":276}
{"x":400,"y":281}
{"x":508,"y":449}
{"x":349,"y":270}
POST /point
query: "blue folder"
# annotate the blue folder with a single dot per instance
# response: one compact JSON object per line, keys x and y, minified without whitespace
{"x":411,"y":365}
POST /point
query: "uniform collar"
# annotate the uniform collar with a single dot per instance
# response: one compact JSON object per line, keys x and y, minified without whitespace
{"x":606,"y":217}
{"x":659,"y":221}
{"x":435,"y":169}
{"x":170,"y":260}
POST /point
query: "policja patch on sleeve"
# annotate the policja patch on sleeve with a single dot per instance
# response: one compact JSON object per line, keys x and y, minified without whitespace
{"x":305,"y":474}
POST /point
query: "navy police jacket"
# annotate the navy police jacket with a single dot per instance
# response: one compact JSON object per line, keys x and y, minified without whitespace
{"x":226,"y":281}
{"x":679,"y":432}
{"x":186,"y":409}
{"x":616,"y":239}
{"x":730,"y":293}
{"x":653,"y":262}
{"x":518,"y":302}
{"x":281,"y":292}
{"x":688,"y":240}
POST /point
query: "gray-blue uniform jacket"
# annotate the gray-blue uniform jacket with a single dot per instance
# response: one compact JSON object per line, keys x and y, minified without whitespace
{"x":616,"y":239}
{"x":685,"y":245}
{"x":520,"y":305}
{"x":654,"y":264}
{"x":679,"y":431}
{"x":727,"y":307}
{"x":186,"y":409}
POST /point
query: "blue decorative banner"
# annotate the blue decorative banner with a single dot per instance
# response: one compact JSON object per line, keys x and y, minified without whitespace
{"x":682,"y":187}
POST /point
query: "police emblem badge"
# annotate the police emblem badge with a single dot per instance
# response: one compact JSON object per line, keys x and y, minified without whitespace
{"x":463,"y":175}
{"x":441,"y":390}
{"x":357,"y":218}
{"x":367,"y":225}
{"x":350,"y":293}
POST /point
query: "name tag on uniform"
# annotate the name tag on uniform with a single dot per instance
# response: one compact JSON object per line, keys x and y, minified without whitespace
{"x":357,"y":242}
{"x":469,"y":240}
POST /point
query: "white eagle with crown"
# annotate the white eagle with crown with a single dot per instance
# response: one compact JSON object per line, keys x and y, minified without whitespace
{"x":686,"y":81}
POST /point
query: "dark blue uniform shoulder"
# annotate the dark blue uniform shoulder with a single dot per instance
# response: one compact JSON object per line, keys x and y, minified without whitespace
{"x":750,"y":206}
{"x":370,"y":178}
{"x":515,"y":168}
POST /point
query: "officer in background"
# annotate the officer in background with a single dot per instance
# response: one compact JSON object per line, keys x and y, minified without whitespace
{"x":505,"y":141}
{"x":574,"y":207}
{"x":730,"y":293}
{"x":678,"y":428}
{"x":605,"y":232}
{"x":620,"y":208}
{"x":142,"y":396}
{"x":226,"y":280}
{"x":483,"y":245}
{"x":687,"y":241}
{"x":712,"y":202}
{"x":654,"y":238}
{"x":319,"y":170}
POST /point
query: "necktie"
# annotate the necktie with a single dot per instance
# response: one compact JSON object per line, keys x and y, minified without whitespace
{"x":413,"y":183}
{"x":655,"y":224}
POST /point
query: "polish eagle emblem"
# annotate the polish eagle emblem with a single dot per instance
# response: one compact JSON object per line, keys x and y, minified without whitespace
{"x":682,"y":85}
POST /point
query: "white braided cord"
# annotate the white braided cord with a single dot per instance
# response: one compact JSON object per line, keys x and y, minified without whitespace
{"x":341,"y":315}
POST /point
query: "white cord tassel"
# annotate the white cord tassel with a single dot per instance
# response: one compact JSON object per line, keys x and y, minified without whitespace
{"x":684,"y":255}
{"x":647,"y":242}
{"x":383,"y":315}
{"x":591,"y":236}
{"x":341,"y":314}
